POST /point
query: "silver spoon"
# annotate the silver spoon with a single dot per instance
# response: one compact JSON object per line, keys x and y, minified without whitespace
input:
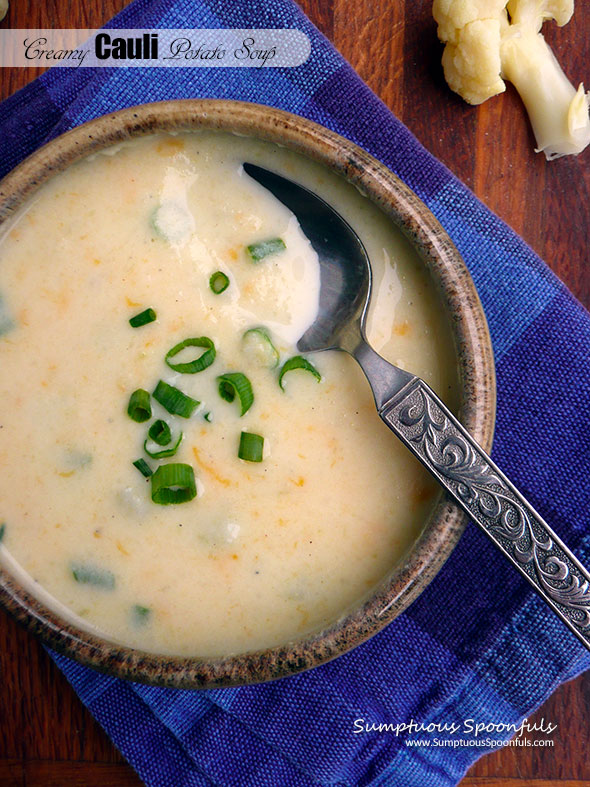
{"x":418,"y":417}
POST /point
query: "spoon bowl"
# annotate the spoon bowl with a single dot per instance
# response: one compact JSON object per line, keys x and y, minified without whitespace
{"x":345,"y":290}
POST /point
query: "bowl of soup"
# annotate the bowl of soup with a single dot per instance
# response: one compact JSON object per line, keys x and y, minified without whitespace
{"x":185,"y":499}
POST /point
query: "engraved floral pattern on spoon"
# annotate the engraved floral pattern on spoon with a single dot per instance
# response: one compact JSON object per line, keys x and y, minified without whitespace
{"x":492,"y":501}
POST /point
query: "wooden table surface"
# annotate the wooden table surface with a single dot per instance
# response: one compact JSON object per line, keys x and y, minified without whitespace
{"x":47,"y":738}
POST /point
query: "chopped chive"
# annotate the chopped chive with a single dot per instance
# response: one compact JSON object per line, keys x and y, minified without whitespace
{"x":219,"y":282}
{"x":87,"y":574}
{"x":141,"y":615}
{"x":173,"y":400}
{"x":234,"y":383}
{"x":258,"y":344}
{"x":160,"y":432}
{"x":143,"y":318}
{"x":139,"y":407}
{"x":251,"y":447}
{"x":198,"y":364}
{"x":173,"y":483}
{"x":143,"y":467}
{"x":2,"y":531}
{"x":298,"y":362}
{"x":258,"y":251}
{"x":165,"y":451}
{"x":208,"y":417}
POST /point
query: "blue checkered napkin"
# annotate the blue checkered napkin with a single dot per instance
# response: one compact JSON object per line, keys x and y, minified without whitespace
{"x":475,"y":645}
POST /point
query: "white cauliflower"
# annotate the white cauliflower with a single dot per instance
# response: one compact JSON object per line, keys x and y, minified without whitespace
{"x":489,"y":41}
{"x":472,"y":62}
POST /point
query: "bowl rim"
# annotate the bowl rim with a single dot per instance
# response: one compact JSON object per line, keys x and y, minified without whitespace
{"x":476,"y":373}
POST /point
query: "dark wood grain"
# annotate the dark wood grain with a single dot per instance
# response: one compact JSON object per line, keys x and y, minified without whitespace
{"x":51,"y":773}
{"x":47,"y":738}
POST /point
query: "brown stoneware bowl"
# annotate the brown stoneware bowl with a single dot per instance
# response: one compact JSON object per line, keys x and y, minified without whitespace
{"x":477,"y":388}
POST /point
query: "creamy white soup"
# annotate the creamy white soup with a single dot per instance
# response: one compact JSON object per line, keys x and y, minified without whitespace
{"x":221,"y":509}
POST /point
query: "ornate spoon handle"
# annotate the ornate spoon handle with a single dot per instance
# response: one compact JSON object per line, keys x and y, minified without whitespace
{"x":432,"y":433}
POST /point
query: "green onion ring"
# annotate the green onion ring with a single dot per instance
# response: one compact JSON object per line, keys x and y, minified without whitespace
{"x":143,"y":467}
{"x":174,"y":400}
{"x":234,"y":383}
{"x":143,"y":318}
{"x":173,"y":483}
{"x":160,"y":432}
{"x":88,"y":574}
{"x":165,"y":451}
{"x":251,"y":447}
{"x":258,"y":251}
{"x":297,"y":362}
{"x":265,"y":342}
{"x":139,"y":408}
{"x":219,"y":282}
{"x":200,"y":363}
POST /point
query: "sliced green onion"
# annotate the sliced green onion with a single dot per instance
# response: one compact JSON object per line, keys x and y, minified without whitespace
{"x":258,"y":251}
{"x":173,"y":483}
{"x":143,"y":318}
{"x":200,"y":363}
{"x":160,"y":432}
{"x":2,"y":530}
{"x":87,"y":574}
{"x":219,"y":282}
{"x":139,"y":407}
{"x":208,"y":417}
{"x":165,"y":451}
{"x":297,"y":362}
{"x":258,"y":344}
{"x":141,"y":614}
{"x":143,"y":467}
{"x":234,"y":383}
{"x":173,"y":400}
{"x":251,"y":447}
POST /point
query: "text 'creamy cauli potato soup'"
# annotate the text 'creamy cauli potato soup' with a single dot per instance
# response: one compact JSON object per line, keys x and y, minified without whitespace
{"x":174,"y":475}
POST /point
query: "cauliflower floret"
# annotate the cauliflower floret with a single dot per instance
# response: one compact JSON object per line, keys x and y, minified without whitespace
{"x":453,"y":15}
{"x":472,"y":66}
{"x":487,"y":42}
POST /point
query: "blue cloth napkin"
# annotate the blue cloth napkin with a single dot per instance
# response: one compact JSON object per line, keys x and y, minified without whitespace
{"x":477,"y":644}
